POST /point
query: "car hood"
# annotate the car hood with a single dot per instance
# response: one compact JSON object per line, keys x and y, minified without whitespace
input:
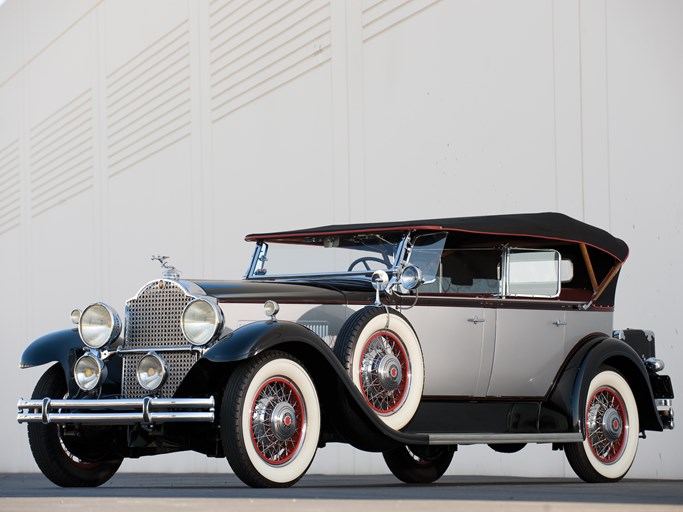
{"x":285,"y":292}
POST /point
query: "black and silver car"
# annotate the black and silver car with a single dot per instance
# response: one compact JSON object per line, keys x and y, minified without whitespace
{"x":406,"y":338}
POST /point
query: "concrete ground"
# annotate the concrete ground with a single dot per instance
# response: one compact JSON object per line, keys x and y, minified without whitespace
{"x":205,"y":492}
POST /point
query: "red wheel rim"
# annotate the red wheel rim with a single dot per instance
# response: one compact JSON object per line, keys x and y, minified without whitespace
{"x":384,"y":372}
{"x":606,"y":425}
{"x":277,"y":421}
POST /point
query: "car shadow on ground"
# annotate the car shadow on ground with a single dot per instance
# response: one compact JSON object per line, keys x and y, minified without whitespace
{"x":368,"y":487}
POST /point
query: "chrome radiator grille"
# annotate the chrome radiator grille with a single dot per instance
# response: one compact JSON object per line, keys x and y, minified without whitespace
{"x":153,"y":321}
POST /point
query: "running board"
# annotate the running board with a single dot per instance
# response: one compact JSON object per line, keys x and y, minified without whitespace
{"x":567,"y":437}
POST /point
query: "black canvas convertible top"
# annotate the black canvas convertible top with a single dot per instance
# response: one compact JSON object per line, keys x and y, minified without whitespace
{"x":550,"y":225}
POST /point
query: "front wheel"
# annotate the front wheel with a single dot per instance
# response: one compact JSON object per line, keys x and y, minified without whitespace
{"x":419,"y":464}
{"x":270,"y":420}
{"x":611,"y":428}
{"x":67,"y":461}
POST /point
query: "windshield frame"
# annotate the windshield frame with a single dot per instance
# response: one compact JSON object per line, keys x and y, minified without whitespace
{"x":259,"y":257}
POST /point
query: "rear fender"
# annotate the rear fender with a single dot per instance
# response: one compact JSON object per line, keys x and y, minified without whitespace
{"x":620,"y":356}
{"x":572,"y":388}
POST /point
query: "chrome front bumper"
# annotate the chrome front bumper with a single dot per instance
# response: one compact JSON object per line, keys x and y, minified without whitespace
{"x":125,"y":411}
{"x":666,"y":412}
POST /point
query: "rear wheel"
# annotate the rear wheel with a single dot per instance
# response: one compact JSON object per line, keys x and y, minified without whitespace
{"x":611,"y":427}
{"x":419,"y":464}
{"x":270,"y":420}
{"x":66,"y":461}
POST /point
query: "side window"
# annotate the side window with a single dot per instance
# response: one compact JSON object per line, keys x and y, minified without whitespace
{"x":471,"y":271}
{"x":533,"y":273}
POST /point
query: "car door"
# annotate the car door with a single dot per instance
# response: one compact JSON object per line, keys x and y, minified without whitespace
{"x":529,"y":349}
{"x":457,"y":346}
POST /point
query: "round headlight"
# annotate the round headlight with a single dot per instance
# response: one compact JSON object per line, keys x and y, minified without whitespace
{"x":152,"y":372}
{"x":271,"y":308}
{"x":201,"y":320}
{"x":99,"y":324}
{"x":89,"y":371}
{"x":411,"y":277}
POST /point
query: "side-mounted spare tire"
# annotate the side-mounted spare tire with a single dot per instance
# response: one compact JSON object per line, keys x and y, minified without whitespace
{"x":381,"y":352}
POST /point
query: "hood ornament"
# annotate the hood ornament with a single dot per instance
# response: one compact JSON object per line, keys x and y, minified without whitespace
{"x":169,"y":271}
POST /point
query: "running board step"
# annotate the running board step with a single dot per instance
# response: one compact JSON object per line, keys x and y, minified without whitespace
{"x":570,"y":437}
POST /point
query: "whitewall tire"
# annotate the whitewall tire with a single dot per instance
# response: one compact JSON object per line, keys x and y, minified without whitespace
{"x":611,"y":429}
{"x":382,"y":354}
{"x":270,"y":420}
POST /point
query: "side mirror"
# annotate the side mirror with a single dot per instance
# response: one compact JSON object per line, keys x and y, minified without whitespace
{"x":380,"y":281}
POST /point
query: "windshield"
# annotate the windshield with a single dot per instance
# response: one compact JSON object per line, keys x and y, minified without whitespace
{"x":340,"y":254}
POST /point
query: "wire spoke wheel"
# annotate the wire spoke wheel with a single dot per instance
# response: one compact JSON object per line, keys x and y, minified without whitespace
{"x":606,"y":424}
{"x":270,"y":420}
{"x":384,"y":372}
{"x":278,"y":420}
{"x":611,"y":427}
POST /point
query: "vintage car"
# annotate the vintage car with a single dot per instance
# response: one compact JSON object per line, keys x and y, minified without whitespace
{"x":406,"y":338}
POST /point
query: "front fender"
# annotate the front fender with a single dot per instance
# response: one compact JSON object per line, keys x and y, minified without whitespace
{"x":56,"y":346}
{"x":254,"y":338}
{"x":348,"y":417}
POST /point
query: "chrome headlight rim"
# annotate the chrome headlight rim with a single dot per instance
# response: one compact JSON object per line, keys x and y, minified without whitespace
{"x":411,"y":277}
{"x":160,"y":374}
{"x":112,"y":327}
{"x":85,"y":382}
{"x":212,"y":327}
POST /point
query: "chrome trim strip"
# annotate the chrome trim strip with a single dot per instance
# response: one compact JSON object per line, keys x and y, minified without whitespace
{"x":495,"y":301}
{"x":134,"y":410}
{"x":144,"y":350}
{"x":570,"y":437}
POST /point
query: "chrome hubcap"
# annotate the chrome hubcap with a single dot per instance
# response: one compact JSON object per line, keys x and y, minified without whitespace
{"x":283,"y":421}
{"x":384,"y":372}
{"x":389,"y":372}
{"x":611,"y":424}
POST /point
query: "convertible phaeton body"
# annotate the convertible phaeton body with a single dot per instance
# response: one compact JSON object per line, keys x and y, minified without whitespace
{"x":409,"y":338}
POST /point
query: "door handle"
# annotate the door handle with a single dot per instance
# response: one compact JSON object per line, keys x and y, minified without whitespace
{"x":559,"y":323}
{"x":476,"y":320}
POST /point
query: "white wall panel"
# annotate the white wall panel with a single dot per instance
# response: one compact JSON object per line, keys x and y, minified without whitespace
{"x":148,"y":101}
{"x":258,"y":46}
{"x":61,"y":154}
{"x":46,"y":21}
{"x":10,"y":186}
{"x":465,"y":117}
{"x":646,"y":165}
{"x":11,"y":48}
{"x":253,"y":189}
{"x":175,"y":127}
{"x":567,"y":108}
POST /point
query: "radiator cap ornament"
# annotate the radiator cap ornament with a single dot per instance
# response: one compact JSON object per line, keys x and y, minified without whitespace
{"x":169,"y":271}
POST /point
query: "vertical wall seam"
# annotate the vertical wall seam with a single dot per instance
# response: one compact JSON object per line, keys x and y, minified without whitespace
{"x":554,"y":71}
{"x":607,"y":124}
{"x":581,"y":86}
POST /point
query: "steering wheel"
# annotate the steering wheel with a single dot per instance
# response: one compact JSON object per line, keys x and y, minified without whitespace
{"x":364,"y":260}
